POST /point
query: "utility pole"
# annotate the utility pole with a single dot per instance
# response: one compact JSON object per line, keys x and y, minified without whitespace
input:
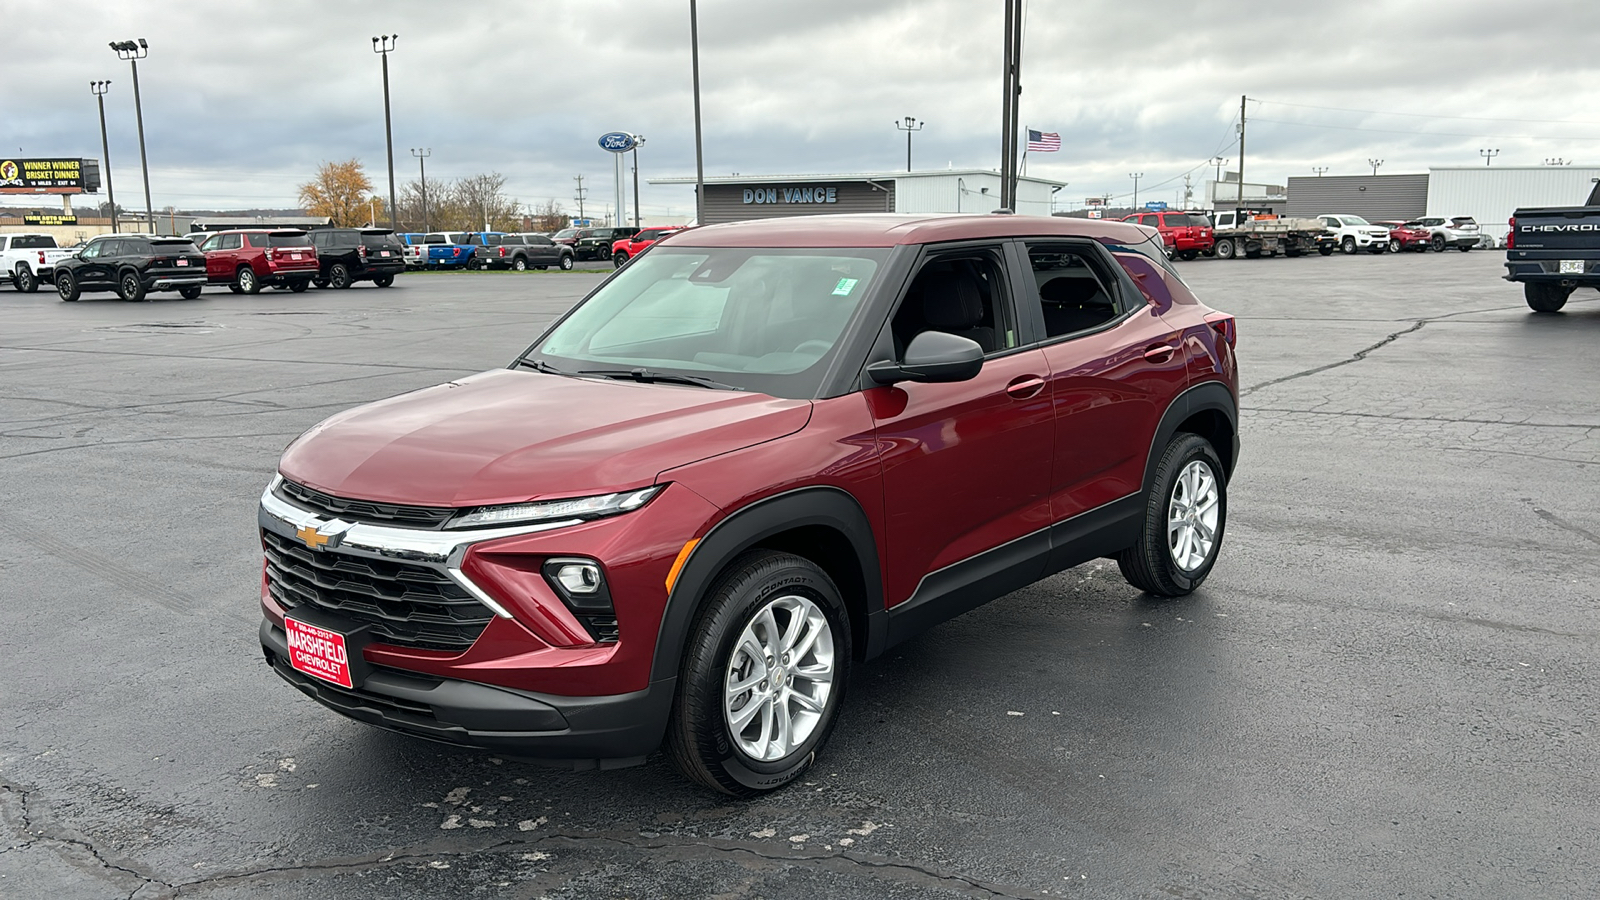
{"x":383,"y":46}
{"x":582,"y":192}
{"x":1488,"y":155}
{"x":133,"y":51}
{"x":99,"y":88}
{"x":1188,"y":191}
{"x":637,"y":140}
{"x":699,"y":155}
{"x":911,"y":124}
{"x":1374,"y":163}
{"x":1136,"y":176}
{"x":422,"y":154}
{"x":1319,"y":170}
{"x":1242,"y":99}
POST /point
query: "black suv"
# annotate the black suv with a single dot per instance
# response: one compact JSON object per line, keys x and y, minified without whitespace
{"x":597,"y":243}
{"x":349,"y":255}
{"x":133,"y":265}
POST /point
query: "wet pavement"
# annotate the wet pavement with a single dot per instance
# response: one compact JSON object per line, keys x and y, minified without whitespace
{"x":1385,"y":689}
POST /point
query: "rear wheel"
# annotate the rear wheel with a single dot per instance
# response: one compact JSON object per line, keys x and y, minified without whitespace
{"x":566,"y":263}
{"x":190,"y":292}
{"x":1224,"y":249}
{"x":247,"y":280}
{"x":1465,"y":248}
{"x":24,"y":280}
{"x":130,"y":287}
{"x":383,"y":280}
{"x":1189,"y":255}
{"x":339,"y":276}
{"x":520,"y":264}
{"x":299,"y":287}
{"x":320,"y":281}
{"x":1438,"y":243}
{"x":763,"y":676}
{"x":67,"y":287}
{"x":1186,"y":512}
{"x":1545,"y":297}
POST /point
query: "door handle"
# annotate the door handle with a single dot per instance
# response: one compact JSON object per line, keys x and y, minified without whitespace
{"x":1025,"y":386}
{"x":1159,"y":353}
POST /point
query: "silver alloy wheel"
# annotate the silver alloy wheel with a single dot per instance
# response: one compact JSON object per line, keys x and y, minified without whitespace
{"x":1192,"y":516}
{"x":780,"y":675}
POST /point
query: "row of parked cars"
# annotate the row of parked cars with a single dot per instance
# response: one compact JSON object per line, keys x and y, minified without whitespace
{"x":1188,"y":235}
{"x":535,"y":250}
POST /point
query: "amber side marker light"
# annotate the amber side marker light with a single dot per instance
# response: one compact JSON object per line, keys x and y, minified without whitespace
{"x":677,"y":564}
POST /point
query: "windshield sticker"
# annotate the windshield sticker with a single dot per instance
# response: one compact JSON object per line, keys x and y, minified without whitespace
{"x":846,"y":285}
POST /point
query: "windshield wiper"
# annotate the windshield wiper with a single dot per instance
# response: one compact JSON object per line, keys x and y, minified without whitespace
{"x":646,"y":376}
{"x":542,"y":366}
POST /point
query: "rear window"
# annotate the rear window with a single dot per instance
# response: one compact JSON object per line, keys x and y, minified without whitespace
{"x":1464,"y":220}
{"x":33,"y":242}
{"x":172,"y":245}
{"x":514,"y":240}
{"x":288,"y":239}
{"x":379,"y":239}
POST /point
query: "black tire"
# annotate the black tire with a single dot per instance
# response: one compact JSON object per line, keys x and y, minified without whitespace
{"x":603,"y":254}
{"x":1547,"y":298}
{"x":1395,"y":246}
{"x":247,"y":280}
{"x":191,"y":292}
{"x":320,"y":281}
{"x":235,"y":288}
{"x":520,"y":264}
{"x":542,"y":268}
{"x":383,"y":280}
{"x":1348,"y":245}
{"x":1437,"y":243}
{"x":1189,"y":255}
{"x":1252,"y":254}
{"x":130,"y":286}
{"x":67,"y":287}
{"x":566,"y":263}
{"x":1325,"y":249}
{"x":1224,"y":249}
{"x":339,"y":276}
{"x":1291,"y":252}
{"x":24,"y":280}
{"x":1465,"y":248}
{"x":299,"y":287}
{"x":1149,"y":565}
{"x":474,"y":264}
{"x":618,"y":259}
{"x":699,"y":739}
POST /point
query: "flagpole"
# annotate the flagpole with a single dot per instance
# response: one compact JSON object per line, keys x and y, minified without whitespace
{"x":1025,"y":150}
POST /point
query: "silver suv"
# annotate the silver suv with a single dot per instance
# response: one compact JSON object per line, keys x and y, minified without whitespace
{"x":1460,"y":232}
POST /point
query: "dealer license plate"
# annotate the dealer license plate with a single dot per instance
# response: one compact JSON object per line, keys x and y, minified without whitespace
{"x":183,"y":262}
{"x":1572,"y":267}
{"x":318,"y":652}
{"x":383,"y":253}
{"x":294,"y":256}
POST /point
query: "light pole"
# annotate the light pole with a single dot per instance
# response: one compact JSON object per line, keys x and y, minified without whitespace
{"x":1319,"y":170}
{"x":133,"y":51}
{"x":383,"y":46}
{"x":910,"y":124}
{"x":1374,"y":163}
{"x":99,"y":88}
{"x":637,"y":140}
{"x":1136,"y":176}
{"x":699,"y":156}
{"x":422,"y":154}
{"x":1219,"y":162}
{"x":1488,"y":155}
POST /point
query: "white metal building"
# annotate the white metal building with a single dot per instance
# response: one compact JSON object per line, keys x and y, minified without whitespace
{"x":737,"y":197}
{"x":1491,"y":194}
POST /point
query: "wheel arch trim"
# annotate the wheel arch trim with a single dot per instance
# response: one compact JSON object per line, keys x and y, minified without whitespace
{"x":1208,"y":396}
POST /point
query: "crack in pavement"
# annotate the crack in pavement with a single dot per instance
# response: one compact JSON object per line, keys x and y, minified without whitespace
{"x":167,"y":439}
{"x":59,"y":838}
{"x":1358,"y":356}
{"x":1400,"y":418}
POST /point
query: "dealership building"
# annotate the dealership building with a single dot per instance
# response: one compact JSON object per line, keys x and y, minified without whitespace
{"x":734,"y":198}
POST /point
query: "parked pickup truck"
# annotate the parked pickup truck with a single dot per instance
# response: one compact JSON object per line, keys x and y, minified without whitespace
{"x":1252,"y":234}
{"x":29,"y":259}
{"x":1554,"y":251}
{"x":443,"y":251}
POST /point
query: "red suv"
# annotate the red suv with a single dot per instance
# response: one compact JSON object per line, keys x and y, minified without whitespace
{"x":245,"y":261}
{"x":1186,"y":235}
{"x":624,"y":249}
{"x":755,"y":457}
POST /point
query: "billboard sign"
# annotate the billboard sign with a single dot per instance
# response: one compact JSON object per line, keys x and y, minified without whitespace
{"x":46,"y":219}
{"x":42,"y":176}
{"x":1094,"y":201}
{"x":1156,"y":205}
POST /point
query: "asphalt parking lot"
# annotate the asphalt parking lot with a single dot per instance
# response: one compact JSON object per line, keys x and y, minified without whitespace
{"x":1386,"y":688}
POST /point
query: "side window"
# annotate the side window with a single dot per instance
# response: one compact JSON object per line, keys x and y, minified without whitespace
{"x":93,"y":250}
{"x":346,"y":239}
{"x":962,"y":293}
{"x":230,"y":242}
{"x":260,"y":241}
{"x":541,"y":241}
{"x":210,"y":244}
{"x":1074,"y":291}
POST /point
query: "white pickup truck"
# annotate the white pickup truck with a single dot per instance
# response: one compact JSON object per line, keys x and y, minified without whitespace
{"x":28,"y":259}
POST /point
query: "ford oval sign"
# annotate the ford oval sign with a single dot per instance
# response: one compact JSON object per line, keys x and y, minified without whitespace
{"x":616,"y":142}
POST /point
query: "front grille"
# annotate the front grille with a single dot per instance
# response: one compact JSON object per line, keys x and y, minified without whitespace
{"x":366,"y":511}
{"x":406,"y":604}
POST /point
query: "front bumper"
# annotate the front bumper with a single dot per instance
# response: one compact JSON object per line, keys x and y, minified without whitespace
{"x":585,"y":732}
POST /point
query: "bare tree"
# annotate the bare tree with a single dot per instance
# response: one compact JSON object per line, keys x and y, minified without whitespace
{"x":548,"y":217}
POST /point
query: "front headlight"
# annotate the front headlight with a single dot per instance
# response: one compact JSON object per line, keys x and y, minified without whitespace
{"x":580,"y":508}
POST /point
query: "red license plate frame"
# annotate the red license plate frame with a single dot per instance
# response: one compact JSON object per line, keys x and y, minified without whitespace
{"x":319,"y":652}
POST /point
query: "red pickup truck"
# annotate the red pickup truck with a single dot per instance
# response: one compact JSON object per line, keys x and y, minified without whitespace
{"x":1186,"y":235}
{"x":624,"y":249}
{"x":247,"y":260}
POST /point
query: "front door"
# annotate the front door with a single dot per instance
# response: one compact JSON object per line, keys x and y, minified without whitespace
{"x":966,"y":465}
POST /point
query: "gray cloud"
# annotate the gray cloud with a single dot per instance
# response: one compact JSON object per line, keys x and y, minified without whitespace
{"x":243,"y":99}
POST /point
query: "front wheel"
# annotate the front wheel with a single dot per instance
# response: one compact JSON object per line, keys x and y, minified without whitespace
{"x":383,"y":280}
{"x":130,"y":287}
{"x":1545,"y":297}
{"x":67,"y":287}
{"x":618,"y":258}
{"x":189,"y":293}
{"x":25,"y":281}
{"x":1189,"y":255}
{"x":763,"y":676}
{"x":1394,"y":246}
{"x":1223,"y":249}
{"x":1325,"y":249}
{"x":1185,"y":514}
{"x":339,"y":276}
{"x":1348,"y":245}
{"x":566,"y":264}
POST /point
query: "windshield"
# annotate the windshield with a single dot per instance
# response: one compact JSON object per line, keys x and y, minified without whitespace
{"x":756,"y":319}
{"x":1353,"y":220}
{"x":567,"y":232}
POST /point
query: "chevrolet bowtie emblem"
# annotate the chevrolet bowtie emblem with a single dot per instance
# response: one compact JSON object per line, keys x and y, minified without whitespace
{"x":311,"y":537}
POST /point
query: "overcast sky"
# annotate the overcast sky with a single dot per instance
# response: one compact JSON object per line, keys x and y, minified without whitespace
{"x":243,"y":99}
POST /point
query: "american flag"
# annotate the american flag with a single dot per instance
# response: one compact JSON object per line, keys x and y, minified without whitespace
{"x":1043,"y":141}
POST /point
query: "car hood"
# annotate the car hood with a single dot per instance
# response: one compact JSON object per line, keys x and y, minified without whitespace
{"x":506,"y":436}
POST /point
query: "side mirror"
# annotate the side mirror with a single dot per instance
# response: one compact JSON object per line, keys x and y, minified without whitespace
{"x":933,"y":356}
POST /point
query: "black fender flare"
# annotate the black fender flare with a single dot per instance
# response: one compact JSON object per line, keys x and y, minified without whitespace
{"x":826,"y":506}
{"x":1209,"y":395}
